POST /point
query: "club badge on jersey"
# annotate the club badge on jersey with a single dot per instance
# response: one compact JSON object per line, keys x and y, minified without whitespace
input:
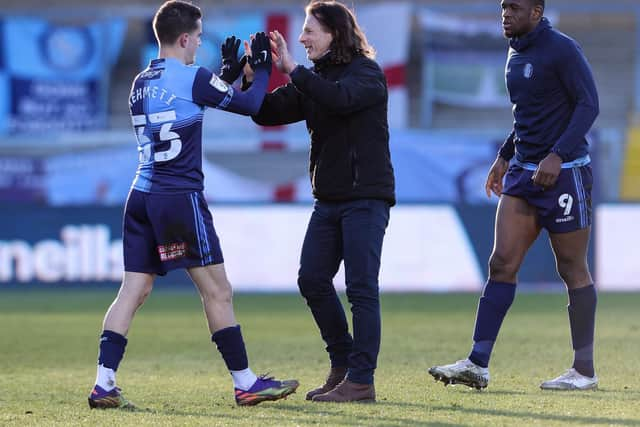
{"x":528,"y":71}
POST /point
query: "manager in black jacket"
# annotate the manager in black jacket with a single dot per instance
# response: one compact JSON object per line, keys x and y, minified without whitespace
{"x":343,"y":99}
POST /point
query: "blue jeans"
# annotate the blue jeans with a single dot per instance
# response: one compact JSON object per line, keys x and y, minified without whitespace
{"x":351,"y":231}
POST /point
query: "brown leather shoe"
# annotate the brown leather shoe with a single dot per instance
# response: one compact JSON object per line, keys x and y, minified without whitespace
{"x":336,"y":375}
{"x":347,"y":391}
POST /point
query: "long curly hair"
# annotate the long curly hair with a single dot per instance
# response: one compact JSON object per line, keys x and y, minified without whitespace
{"x":348,"y":38}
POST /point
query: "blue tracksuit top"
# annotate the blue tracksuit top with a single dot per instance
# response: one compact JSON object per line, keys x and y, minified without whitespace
{"x":554,"y":96}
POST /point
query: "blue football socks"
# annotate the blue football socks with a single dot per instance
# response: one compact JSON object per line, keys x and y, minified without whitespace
{"x":582,"y":316}
{"x":231,"y":347}
{"x":112,"y":346}
{"x":492,"y":308}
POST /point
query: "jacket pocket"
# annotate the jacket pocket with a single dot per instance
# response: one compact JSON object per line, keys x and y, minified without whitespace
{"x":333,"y":174}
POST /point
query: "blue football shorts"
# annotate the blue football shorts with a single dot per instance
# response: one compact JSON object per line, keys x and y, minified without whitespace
{"x":163,"y":232}
{"x":563,"y":208}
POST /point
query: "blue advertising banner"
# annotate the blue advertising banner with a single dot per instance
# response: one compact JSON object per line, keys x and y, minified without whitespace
{"x":81,"y":246}
{"x":64,"y":245}
{"x":72,"y":246}
{"x":2,"y":60}
{"x":22,"y":179}
{"x":56,"y":77}
{"x":4,"y":85}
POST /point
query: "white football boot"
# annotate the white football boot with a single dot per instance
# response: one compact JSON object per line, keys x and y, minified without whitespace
{"x":462,"y":372}
{"x":571,"y":380}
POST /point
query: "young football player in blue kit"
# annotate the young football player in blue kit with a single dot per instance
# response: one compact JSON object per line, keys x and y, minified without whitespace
{"x":167,"y":224}
{"x":547,"y":185}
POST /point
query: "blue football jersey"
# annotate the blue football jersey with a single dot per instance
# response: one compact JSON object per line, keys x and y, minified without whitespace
{"x":167,"y":103}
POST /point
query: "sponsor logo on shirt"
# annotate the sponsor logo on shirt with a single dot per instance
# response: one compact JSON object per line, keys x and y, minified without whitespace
{"x":172,"y":251}
{"x":151,"y":74}
{"x":565,"y":219}
{"x":217,"y":83}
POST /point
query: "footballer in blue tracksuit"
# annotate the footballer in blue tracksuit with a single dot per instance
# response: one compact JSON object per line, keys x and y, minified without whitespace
{"x":547,"y":176}
{"x":167,"y":224}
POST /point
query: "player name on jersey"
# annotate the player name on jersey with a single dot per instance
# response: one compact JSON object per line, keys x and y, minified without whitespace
{"x":154,"y":92}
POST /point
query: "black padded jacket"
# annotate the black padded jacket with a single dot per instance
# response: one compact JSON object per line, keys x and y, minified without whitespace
{"x":345,"y":108}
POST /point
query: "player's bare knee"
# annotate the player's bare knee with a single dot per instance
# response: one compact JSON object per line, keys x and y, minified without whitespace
{"x":501,"y":266}
{"x":218,"y":291}
{"x":142,"y":296}
{"x":574,"y":275}
{"x":134,"y":293}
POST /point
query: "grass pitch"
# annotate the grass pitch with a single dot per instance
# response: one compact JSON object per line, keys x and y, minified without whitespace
{"x":48,"y":349}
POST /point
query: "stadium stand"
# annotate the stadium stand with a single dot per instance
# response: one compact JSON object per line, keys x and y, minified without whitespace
{"x":598,"y":27}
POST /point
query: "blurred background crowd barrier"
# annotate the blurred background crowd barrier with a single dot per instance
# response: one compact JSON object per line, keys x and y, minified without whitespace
{"x":68,"y":154}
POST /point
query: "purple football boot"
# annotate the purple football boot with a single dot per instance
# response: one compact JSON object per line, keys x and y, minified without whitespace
{"x":102,"y":399}
{"x":265,"y":388}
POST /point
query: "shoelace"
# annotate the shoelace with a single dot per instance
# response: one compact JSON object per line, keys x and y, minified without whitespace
{"x":570,"y":374}
{"x":266,"y":377}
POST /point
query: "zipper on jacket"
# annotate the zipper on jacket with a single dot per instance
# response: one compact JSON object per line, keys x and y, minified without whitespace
{"x":354,"y":167}
{"x":315,"y":173}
